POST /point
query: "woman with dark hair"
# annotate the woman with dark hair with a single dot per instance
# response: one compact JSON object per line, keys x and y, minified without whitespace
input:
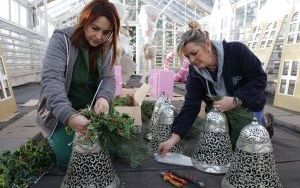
{"x":78,"y":60}
{"x":225,"y":69}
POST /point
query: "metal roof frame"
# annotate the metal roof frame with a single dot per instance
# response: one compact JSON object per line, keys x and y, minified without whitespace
{"x":178,"y":10}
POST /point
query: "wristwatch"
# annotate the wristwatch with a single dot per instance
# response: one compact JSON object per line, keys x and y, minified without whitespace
{"x":237,"y":102}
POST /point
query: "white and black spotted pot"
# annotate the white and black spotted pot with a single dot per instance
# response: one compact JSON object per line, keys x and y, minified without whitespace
{"x":253,"y":163}
{"x":213,"y":150}
{"x":162,"y":130}
{"x":90,"y":167}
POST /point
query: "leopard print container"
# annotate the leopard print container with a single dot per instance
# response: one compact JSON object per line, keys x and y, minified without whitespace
{"x":162,"y":100}
{"x":213,"y":150}
{"x":253,"y":163}
{"x":89,"y":167}
{"x":162,"y":131}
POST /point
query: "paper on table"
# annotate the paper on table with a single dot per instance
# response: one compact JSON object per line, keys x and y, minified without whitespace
{"x":174,"y":158}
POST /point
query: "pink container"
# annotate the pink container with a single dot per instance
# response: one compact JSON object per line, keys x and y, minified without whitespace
{"x":161,"y":81}
{"x":118,"y":77}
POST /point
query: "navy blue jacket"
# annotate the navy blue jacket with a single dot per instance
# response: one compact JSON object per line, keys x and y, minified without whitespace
{"x":243,"y":77}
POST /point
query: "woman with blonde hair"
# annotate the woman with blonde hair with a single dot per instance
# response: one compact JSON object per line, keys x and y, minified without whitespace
{"x":225,"y":69}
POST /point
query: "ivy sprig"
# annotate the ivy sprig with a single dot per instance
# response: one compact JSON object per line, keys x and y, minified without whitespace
{"x":22,"y":167}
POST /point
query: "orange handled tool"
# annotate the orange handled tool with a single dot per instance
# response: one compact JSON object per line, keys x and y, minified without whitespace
{"x":169,"y":177}
{"x":181,"y":180}
{"x":172,"y":181}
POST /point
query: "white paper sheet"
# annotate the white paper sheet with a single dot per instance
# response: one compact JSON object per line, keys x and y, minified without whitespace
{"x":174,"y":158}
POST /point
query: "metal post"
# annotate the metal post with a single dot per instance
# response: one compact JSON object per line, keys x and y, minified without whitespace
{"x":245,"y":18}
{"x":45,"y":14}
{"x":137,"y":49}
{"x":164,"y":39}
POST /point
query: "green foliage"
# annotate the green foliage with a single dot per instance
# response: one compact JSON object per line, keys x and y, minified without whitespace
{"x":116,"y":133}
{"x":22,"y":168}
{"x":134,"y":152}
{"x":194,"y":131}
{"x":107,"y":128}
{"x":147,"y":110}
{"x":123,"y":101}
{"x":237,"y":120}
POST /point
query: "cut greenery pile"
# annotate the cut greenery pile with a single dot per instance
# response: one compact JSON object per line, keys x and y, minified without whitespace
{"x":23,"y":167}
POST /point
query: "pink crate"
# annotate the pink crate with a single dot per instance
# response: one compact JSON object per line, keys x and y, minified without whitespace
{"x":118,"y":77}
{"x":161,"y":81}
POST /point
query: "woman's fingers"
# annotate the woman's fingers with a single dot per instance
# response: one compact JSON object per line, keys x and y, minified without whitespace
{"x":101,"y":106}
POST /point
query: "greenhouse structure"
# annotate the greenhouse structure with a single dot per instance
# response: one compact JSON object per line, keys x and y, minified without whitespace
{"x":81,"y":96}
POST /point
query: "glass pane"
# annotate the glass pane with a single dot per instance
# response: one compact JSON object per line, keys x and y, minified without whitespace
{"x":269,"y":26}
{"x":239,"y":18}
{"x":282,"y":86}
{"x":285,"y":68}
{"x":14,"y":12}
{"x":254,"y":29}
{"x":23,"y":16}
{"x":294,"y":68}
{"x":169,"y":38}
{"x":269,"y":43}
{"x":7,"y":88}
{"x":4,"y":10}
{"x":295,"y":16}
{"x":256,"y":36}
{"x":272,"y":34}
{"x":130,"y":2}
{"x":275,"y":25}
{"x":266,"y":35}
{"x":131,"y":14}
{"x":293,"y":27}
{"x":291,"y":38}
{"x":2,"y":71}
{"x":254,"y":45}
{"x":1,"y":91}
{"x":291,"y":88}
{"x":298,"y":38}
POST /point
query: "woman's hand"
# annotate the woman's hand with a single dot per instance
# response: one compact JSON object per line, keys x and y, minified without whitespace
{"x":165,"y":146}
{"x":79,"y":124}
{"x":101,"y":106}
{"x":225,"y":104}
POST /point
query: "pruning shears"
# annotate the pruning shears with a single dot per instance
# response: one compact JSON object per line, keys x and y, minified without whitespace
{"x":180,"y":180}
{"x":172,"y":179}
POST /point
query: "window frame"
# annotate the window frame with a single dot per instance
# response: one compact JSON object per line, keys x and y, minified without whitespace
{"x":288,"y":77}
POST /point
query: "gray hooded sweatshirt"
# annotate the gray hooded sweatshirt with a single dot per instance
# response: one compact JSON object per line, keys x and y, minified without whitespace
{"x":54,"y":105}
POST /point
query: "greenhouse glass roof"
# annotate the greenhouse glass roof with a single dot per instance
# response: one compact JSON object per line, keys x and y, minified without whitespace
{"x":65,"y":10}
